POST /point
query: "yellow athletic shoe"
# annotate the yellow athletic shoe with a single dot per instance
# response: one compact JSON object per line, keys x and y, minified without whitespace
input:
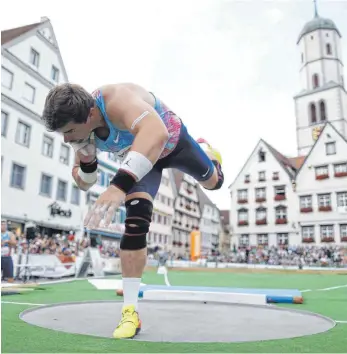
{"x":130,"y":324}
{"x":213,"y":154}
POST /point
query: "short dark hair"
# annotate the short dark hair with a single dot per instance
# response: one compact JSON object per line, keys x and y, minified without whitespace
{"x":66,"y":103}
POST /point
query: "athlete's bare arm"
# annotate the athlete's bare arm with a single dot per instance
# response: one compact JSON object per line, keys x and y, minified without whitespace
{"x":127,"y":109}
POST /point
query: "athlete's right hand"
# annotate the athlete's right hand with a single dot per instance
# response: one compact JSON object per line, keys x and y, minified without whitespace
{"x":85,"y":151}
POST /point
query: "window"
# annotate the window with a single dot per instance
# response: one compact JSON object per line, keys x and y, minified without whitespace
{"x":112,"y":156}
{"x":326,"y":231}
{"x":328,"y":48}
{"x":313,"y":113}
{"x":322,"y":111}
{"x":64,"y":154}
{"x":46,"y":185}
{"x":34,"y":57}
{"x":47,"y":146}
{"x":75,"y":195}
{"x":242,"y":194}
{"x":243,"y":215}
{"x":247,"y":178}
{"x":282,"y":239}
{"x":261,"y":156}
{"x":62,"y":191}
{"x":4,"y":122}
{"x":275,"y":176}
{"x":280,"y":192}
{"x":342,"y":199}
{"x":165,"y":181}
{"x":307,"y":232}
{"x":330,"y":148}
{"x":340,"y":168}
{"x":109,"y":178}
{"x":306,"y":202}
{"x":100,"y":178}
{"x":260,"y":193}
{"x":343,"y":230}
{"x":244,"y":240}
{"x":18,"y":176}
{"x":29,"y":93}
{"x":281,"y":213}
{"x":263,"y":239}
{"x":315,"y":81}
{"x":322,"y":171}
{"x":260,"y":214}
{"x":6,"y":78}
{"x":55,"y":74}
{"x":23,"y":134}
{"x":262,"y":176}
{"x":324,"y":200}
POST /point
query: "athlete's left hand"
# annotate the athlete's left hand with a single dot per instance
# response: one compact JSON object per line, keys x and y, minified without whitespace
{"x":104,"y":208}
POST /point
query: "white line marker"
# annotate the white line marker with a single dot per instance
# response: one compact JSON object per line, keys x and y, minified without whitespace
{"x":345,"y":322}
{"x":325,"y":289}
{"x":333,"y":288}
{"x":21,"y":303}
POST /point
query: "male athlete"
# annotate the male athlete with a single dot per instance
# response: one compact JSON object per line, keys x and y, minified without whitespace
{"x":147,"y":137}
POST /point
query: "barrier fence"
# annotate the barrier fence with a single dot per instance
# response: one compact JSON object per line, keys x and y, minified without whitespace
{"x":51,"y":266}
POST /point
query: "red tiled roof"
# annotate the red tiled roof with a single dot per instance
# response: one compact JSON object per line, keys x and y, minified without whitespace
{"x":297,"y":161}
{"x":225,"y":217}
{"x":10,"y":34}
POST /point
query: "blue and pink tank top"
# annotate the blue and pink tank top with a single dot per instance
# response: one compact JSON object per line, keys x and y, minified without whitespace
{"x":119,"y":141}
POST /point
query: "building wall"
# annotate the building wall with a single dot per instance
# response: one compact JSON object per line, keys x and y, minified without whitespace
{"x":23,"y":198}
{"x":248,"y":234}
{"x":311,"y":186}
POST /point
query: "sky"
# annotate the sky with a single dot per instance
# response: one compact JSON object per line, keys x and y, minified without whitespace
{"x":228,"y":68}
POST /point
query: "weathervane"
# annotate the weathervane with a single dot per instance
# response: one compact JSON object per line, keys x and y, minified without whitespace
{"x":315,"y":8}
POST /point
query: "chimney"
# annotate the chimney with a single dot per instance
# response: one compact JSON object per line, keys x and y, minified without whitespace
{"x":44,"y":19}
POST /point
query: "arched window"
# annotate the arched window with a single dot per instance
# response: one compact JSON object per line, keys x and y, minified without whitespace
{"x":313,"y":113}
{"x":322,"y":111}
{"x":328,"y":48}
{"x":315,"y":81}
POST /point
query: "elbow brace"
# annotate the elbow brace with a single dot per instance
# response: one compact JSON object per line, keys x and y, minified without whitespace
{"x":88,"y":171}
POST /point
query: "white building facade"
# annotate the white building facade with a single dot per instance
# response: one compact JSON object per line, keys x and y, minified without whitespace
{"x":35,"y":165}
{"x":160,"y":232}
{"x":314,"y":208}
{"x":210,"y":223}
{"x":322,"y":190}
{"x":323,"y":97}
{"x":263,"y":201}
{"x":187,"y":213}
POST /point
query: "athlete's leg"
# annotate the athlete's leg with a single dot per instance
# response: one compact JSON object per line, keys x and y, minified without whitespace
{"x":133,"y":248}
{"x":203,"y":165}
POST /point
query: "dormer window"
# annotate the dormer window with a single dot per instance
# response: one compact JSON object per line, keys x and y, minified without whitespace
{"x":261,"y":155}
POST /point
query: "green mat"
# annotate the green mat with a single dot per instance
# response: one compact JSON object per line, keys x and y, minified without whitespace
{"x":20,"y":337}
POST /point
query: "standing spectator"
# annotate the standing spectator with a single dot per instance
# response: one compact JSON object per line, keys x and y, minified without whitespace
{"x":8,"y":241}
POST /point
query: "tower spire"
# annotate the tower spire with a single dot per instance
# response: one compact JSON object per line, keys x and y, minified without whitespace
{"x":315,"y":8}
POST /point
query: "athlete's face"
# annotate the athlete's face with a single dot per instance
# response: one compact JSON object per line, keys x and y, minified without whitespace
{"x":76,"y":132}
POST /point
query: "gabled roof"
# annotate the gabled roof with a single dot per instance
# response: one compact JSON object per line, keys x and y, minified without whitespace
{"x":290,"y":165}
{"x":178,"y":178}
{"x":13,"y":33}
{"x":284,"y":161}
{"x":9,"y":37}
{"x":225,"y":217}
{"x":204,"y":199}
{"x":316,"y":142}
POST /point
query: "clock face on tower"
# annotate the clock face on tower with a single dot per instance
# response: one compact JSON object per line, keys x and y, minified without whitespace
{"x":316,"y":132}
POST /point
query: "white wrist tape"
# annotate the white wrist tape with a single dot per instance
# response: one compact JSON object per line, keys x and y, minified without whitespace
{"x":88,"y":177}
{"x":137,"y":164}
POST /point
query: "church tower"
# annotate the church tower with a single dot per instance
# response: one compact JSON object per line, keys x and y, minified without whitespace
{"x":323,"y":97}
